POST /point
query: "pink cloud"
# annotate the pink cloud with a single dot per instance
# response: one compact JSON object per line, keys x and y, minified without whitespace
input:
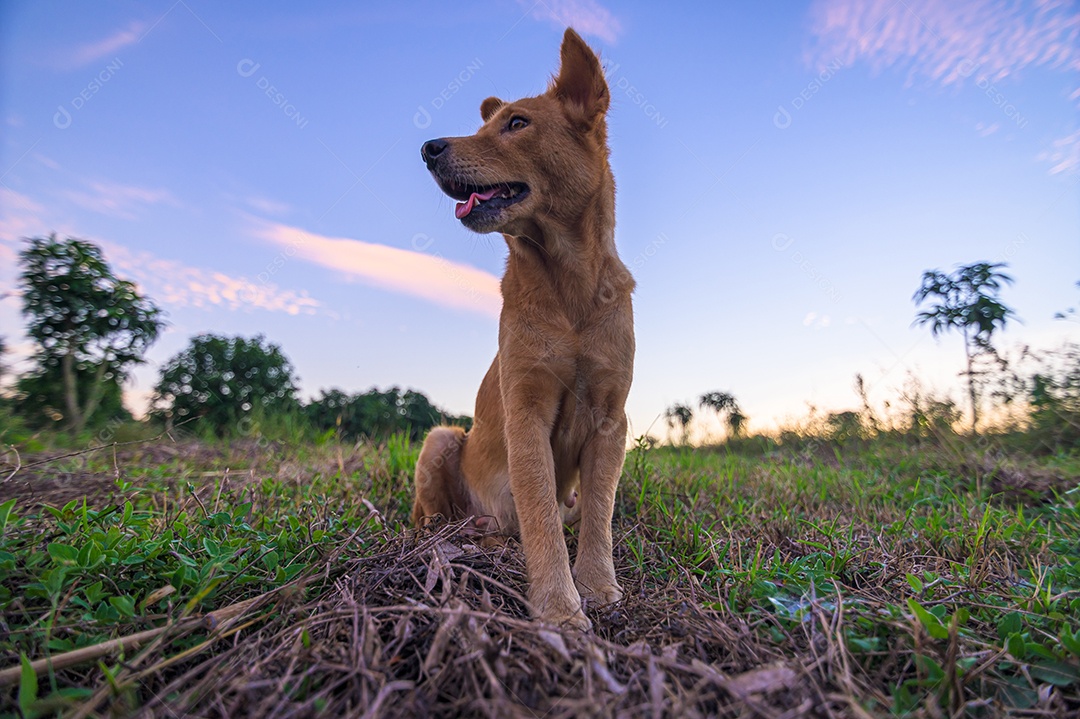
{"x":981,"y":42}
{"x":946,"y":42}
{"x":173,"y":284}
{"x":586,"y":16}
{"x":91,"y":52}
{"x":21,"y":216}
{"x":122,"y":201}
{"x":418,"y":273}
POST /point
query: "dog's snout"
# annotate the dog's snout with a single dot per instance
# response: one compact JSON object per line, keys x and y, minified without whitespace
{"x":431,"y":151}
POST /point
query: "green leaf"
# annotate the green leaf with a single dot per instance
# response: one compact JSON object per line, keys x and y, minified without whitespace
{"x":63,"y":553}
{"x":933,"y":670}
{"x":124,"y":604}
{"x":94,"y":593}
{"x":1039,"y":650}
{"x":28,"y":685}
{"x":915,"y":583}
{"x":1015,"y":692}
{"x":178,"y":577}
{"x":932,"y":624}
{"x":1011,"y":623}
{"x":1070,"y":641}
{"x":53,"y":580}
{"x":1014,"y":644}
{"x":5,"y":513}
{"x":59,"y":645}
{"x":865,"y":644}
{"x":105,"y":614}
{"x":1057,"y":673}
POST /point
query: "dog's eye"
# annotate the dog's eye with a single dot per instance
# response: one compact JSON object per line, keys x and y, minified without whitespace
{"x":517,"y":123}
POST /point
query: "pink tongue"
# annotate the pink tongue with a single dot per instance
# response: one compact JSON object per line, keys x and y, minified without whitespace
{"x":464,"y":208}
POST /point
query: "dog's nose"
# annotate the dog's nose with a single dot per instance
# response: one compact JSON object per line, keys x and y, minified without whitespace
{"x":431,"y":151}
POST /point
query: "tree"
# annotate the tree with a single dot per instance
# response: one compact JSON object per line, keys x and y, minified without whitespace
{"x":90,"y":326}
{"x":221,"y":380}
{"x":377,"y":414}
{"x":966,"y":300}
{"x":1069,"y":314}
{"x":682,"y":415}
{"x":40,"y":396}
{"x":724,"y":403}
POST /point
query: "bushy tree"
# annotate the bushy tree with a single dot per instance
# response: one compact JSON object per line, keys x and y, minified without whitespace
{"x":41,"y":396}
{"x":222,"y":379}
{"x":1054,"y":395}
{"x":966,"y":300}
{"x":90,"y":327}
{"x":378,"y":414}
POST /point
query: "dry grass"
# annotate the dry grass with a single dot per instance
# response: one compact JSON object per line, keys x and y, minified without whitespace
{"x":772,"y":586}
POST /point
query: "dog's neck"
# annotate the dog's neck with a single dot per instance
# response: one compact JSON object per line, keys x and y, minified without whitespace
{"x":577,"y":263}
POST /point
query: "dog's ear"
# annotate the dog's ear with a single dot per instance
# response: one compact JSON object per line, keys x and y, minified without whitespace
{"x":581,"y":84}
{"x":489,"y":107}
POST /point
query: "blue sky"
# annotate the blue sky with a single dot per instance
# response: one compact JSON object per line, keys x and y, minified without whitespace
{"x":785,"y":172}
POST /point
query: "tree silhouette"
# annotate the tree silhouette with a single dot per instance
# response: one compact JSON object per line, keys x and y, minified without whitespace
{"x":966,"y":300}
{"x":1069,"y":314}
{"x":726,"y":406}
{"x":682,"y":415}
{"x":90,"y":326}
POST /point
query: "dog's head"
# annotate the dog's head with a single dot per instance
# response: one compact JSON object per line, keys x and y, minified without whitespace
{"x":536,"y":161}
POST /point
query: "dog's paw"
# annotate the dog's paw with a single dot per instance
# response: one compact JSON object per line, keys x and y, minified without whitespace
{"x":561,"y":608}
{"x":601,"y":595}
{"x":577,"y":621}
{"x":597,"y":587}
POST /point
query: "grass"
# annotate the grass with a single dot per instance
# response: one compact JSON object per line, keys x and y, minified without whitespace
{"x":812,"y":579}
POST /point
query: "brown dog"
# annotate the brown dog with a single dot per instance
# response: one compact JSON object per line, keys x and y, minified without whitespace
{"x":550,"y":412}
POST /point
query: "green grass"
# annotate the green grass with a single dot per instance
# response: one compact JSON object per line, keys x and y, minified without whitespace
{"x":892,"y":578}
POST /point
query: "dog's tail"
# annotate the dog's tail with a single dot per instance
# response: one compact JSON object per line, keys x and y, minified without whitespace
{"x":439,"y":489}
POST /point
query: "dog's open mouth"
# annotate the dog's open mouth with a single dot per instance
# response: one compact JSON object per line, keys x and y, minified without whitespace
{"x":485,"y":199}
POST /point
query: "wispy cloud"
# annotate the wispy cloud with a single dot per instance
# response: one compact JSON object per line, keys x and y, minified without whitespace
{"x":122,"y":201}
{"x":174,"y":284}
{"x":20,"y":218}
{"x":92,"y":52}
{"x":268,"y":206}
{"x":1064,"y":154}
{"x":421,"y":274}
{"x":586,"y":16}
{"x":170,"y":283}
{"x":947,"y":42}
{"x":982,"y":42}
{"x":816,"y":321}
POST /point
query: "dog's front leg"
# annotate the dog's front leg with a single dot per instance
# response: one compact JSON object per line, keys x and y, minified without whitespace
{"x":601,"y":465}
{"x":531,"y":405}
